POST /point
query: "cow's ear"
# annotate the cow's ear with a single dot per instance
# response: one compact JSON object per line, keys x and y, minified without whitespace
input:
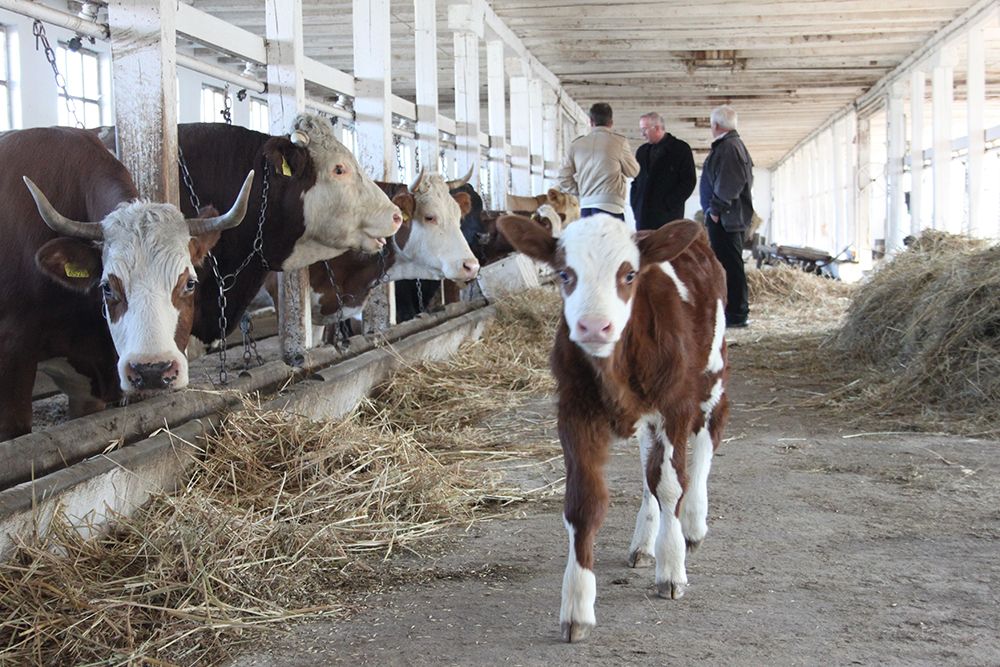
{"x":668,"y":241}
{"x":71,"y":262}
{"x":406,"y":204}
{"x":555,"y":196}
{"x":287,"y":160}
{"x":464,"y":202}
{"x":201,"y":244}
{"x":529,"y":237}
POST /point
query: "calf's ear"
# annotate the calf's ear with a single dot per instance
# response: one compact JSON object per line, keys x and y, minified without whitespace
{"x":668,"y":241}
{"x":464,"y":202}
{"x":529,"y":237}
{"x":71,"y":262}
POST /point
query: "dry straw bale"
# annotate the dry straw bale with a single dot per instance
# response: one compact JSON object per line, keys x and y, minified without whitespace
{"x":279,"y":518}
{"x":928,"y":321}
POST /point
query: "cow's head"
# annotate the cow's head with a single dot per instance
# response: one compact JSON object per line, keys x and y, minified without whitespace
{"x":144,"y":261}
{"x":343,"y":209}
{"x":432,"y":246}
{"x":567,"y":205}
{"x":598,"y":261}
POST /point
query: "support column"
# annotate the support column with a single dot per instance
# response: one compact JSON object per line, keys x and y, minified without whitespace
{"x":498,"y":123}
{"x":144,"y":72}
{"x":286,"y":99}
{"x":550,"y":145}
{"x":862,"y":230}
{"x":520,"y":133}
{"x":467,"y":25}
{"x":896,"y":224}
{"x":373,"y":111}
{"x":918,"y":91}
{"x":425,"y":42}
{"x":976,"y":91}
{"x":839,"y":204}
{"x":536,"y":136}
{"x":942,"y":97}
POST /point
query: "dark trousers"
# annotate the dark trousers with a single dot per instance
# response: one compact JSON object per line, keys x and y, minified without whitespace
{"x":587,"y":212}
{"x":728,"y":249}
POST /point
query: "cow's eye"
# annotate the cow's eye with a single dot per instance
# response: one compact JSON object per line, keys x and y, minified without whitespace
{"x":564,"y":276}
{"x":339,"y":170}
{"x":190,"y":285}
{"x":430,"y":218}
{"x":106,"y":289}
{"x":630,"y":277}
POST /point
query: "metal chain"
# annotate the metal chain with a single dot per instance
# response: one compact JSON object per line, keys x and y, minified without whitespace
{"x":223,"y":322}
{"x":420,"y":295}
{"x":342,"y":336}
{"x":249,"y":342}
{"x":38,"y":30}
{"x":227,"y":106}
{"x":186,"y":175}
{"x":398,"y":144}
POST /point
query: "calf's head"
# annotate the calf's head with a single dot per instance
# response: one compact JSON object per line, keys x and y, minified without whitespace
{"x":145,"y":265}
{"x":599,"y":263}
{"x":434,"y":247}
{"x":343,"y":209}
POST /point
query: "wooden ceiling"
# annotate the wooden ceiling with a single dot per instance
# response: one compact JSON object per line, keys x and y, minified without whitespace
{"x":786,"y":66}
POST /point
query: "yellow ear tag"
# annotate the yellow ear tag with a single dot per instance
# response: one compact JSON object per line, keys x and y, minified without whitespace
{"x":285,"y":169}
{"x":74,"y":271}
{"x":405,"y":217}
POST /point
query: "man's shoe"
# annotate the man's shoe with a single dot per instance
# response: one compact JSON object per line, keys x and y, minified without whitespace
{"x":738,"y":324}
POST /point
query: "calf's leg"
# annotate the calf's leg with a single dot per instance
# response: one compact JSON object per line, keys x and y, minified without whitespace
{"x":666,"y":479}
{"x":647,"y":522}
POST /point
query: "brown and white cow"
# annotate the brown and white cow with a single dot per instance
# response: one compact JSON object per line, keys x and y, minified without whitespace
{"x":564,"y":203}
{"x":640,"y":351}
{"x":93,"y":247}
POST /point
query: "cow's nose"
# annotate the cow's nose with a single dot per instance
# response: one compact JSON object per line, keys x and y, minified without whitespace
{"x":156,"y":375}
{"x":469,"y":269}
{"x":594,"y":329}
{"x":397,"y":221}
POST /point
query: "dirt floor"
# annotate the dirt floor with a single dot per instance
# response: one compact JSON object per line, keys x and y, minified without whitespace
{"x":834,"y":540}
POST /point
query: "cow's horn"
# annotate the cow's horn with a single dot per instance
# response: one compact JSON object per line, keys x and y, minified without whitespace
{"x":300,"y":138}
{"x":462,"y":181}
{"x":234,"y":217}
{"x":416,"y":183}
{"x":57,"y":222}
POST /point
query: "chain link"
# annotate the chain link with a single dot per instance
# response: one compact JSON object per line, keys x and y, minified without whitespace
{"x":249,"y":342}
{"x":227,"y":106}
{"x":38,"y":30}
{"x":223,"y":322}
{"x":186,"y":175}
{"x":398,"y":145}
{"x":420,"y":295}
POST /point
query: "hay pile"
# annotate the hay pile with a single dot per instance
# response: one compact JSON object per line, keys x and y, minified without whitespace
{"x":928,"y":323}
{"x":281,"y":516}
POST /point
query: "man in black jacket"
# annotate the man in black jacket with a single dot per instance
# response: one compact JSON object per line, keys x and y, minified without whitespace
{"x":666,"y":175}
{"x":726,"y":180}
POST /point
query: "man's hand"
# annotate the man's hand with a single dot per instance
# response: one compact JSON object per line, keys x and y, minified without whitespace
{"x":715,"y":218}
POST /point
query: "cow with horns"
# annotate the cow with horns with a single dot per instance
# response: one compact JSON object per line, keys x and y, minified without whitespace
{"x":640,"y":351}
{"x":91,"y":273}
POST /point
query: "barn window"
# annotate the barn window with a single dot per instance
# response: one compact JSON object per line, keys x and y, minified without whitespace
{"x":259,"y":118}
{"x":4,"y":81}
{"x":82,"y":95}
{"x":213,"y":103}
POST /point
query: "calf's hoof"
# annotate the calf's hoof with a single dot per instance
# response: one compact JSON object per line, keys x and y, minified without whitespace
{"x":670,"y":590}
{"x":576,"y":632}
{"x":692,"y":545}
{"x":641,"y":559}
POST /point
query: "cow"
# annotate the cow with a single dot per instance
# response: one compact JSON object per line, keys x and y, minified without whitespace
{"x":310,"y":201}
{"x":90,"y":273}
{"x":496,"y":246}
{"x":640,"y":350}
{"x":563,"y":202}
{"x":429,"y":246}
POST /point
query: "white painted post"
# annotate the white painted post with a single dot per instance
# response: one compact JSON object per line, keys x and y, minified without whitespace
{"x":862,"y":230}
{"x":942,"y":97}
{"x":467,"y":24}
{"x":918,"y":91}
{"x":144,"y":69}
{"x":536,"y":136}
{"x":550,"y":145}
{"x":520,"y":133}
{"x":373,"y":110}
{"x":976,"y":91}
{"x":839,"y":179}
{"x":497,"y":121}
{"x":285,"y":99}
{"x":426,"y":79}
{"x":896,"y":228}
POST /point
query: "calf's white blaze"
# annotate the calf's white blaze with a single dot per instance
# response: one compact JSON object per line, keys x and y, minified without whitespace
{"x":595,"y":249}
{"x":682,"y":289}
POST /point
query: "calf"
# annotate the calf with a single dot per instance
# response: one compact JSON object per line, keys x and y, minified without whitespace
{"x":640,"y":351}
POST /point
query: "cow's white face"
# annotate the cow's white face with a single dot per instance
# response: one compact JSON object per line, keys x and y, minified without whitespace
{"x":148,"y":285}
{"x":435,"y":249}
{"x":344,"y":210}
{"x":597,"y":261}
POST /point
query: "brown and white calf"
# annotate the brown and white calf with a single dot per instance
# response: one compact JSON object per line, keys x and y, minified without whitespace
{"x":640,"y":351}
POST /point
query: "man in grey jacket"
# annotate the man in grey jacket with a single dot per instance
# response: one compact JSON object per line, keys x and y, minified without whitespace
{"x":726,"y":180}
{"x":597,"y":166}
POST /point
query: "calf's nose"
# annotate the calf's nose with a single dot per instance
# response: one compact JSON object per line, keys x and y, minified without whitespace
{"x":397,"y":221}
{"x":156,"y":375}
{"x":470,"y":268}
{"x":594,"y":329}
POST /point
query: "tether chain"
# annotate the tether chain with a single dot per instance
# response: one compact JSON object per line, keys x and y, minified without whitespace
{"x":342,"y":336}
{"x":38,"y":30}
{"x":227,"y":106}
{"x":186,"y":175}
{"x":397,"y":142}
{"x":249,"y":343}
{"x":420,"y":295}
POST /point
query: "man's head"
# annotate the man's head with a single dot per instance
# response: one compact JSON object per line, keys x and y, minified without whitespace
{"x":652,"y":128}
{"x":600,"y":115}
{"x":723,"y":120}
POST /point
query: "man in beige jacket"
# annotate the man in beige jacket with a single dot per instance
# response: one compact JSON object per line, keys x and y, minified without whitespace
{"x":597,"y":166}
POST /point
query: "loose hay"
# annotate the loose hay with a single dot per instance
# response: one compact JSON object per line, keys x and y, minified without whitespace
{"x":928,"y":323}
{"x":281,"y":515}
